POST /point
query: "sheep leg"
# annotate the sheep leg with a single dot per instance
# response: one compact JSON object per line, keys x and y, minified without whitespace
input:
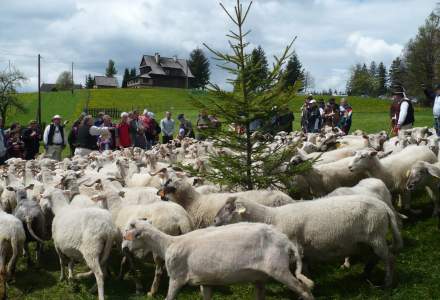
{"x":13,"y":261}
{"x":433,"y":193}
{"x":3,"y":274}
{"x":95,"y":267}
{"x":28,"y":254}
{"x":173,"y":288}
{"x":406,"y":203}
{"x":70,"y":270}
{"x":122,"y":272}
{"x":157,"y":275}
{"x":84,"y":275}
{"x":206,"y":292}
{"x":62,"y":262}
{"x":287,"y":278}
{"x":130,"y":259}
{"x":380,"y":248}
{"x":260,"y":291}
{"x":38,"y":252}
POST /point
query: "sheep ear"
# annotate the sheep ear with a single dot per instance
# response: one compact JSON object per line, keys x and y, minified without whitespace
{"x":239,"y":208}
{"x":408,"y":173}
{"x":10,"y":188}
{"x":373,"y":153}
{"x":30,"y":187}
{"x":433,"y":170}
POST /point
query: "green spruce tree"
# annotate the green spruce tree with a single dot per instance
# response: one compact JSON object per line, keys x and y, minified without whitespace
{"x":261,"y":67}
{"x":110,"y":71}
{"x":90,"y":82}
{"x":382,"y":80}
{"x":125,"y":78}
{"x":294,"y":73}
{"x":398,"y":73}
{"x":251,"y":163}
{"x":132,"y":73}
{"x":199,"y":66}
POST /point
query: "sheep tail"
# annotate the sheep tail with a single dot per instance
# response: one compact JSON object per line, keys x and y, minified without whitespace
{"x":31,"y":231}
{"x":298,"y":271}
{"x":397,"y":237}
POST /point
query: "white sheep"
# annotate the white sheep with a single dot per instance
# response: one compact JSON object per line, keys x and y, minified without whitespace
{"x":81,"y":234}
{"x":203,"y":207}
{"x":222,"y":256}
{"x":327,"y":228}
{"x":322,"y":179}
{"x":392,"y":170}
{"x":369,"y":186}
{"x":168,"y":217}
{"x":426,"y":175}
{"x":12,"y":238}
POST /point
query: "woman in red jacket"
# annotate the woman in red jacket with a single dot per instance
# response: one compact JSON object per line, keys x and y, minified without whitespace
{"x":123,"y":139}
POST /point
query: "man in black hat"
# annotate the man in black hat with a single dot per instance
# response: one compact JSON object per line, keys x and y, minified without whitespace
{"x":435,"y":97}
{"x":404,"y":115}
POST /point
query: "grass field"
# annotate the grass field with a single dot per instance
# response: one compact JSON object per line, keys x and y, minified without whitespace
{"x":417,"y":268}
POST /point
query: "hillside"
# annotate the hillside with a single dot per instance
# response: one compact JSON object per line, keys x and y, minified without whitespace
{"x":369,"y":114}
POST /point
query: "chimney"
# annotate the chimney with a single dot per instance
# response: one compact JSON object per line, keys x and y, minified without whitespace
{"x":157,"y":57}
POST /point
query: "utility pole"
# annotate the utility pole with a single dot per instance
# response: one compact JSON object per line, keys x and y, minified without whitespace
{"x":72,"y":78}
{"x":187,"y":80}
{"x":39,"y":92}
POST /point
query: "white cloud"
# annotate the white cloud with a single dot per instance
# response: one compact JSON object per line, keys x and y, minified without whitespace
{"x":332,"y":34}
{"x":369,"y":48}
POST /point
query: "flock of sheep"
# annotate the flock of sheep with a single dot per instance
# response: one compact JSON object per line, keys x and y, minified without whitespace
{"x":133,"y":202}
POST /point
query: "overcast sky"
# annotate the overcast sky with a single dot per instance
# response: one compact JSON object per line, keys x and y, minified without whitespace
{"x":332,"y":34}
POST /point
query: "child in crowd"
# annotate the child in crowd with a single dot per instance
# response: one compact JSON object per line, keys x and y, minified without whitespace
{"x":105,"y":141}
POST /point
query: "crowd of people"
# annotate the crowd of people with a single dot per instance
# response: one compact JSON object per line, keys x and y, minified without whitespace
{"x":89,"y":134}
{"x":317,"y":114}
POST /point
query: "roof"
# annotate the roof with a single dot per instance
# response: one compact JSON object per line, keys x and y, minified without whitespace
{"x":105,"y":81}
{"x":50,"y":87}
{"x":165,"y":62}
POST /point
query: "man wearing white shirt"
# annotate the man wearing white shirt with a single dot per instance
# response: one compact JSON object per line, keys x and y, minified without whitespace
{"x":87,"y":136}
{"x":54,"y":139}
{"x":405,"y":114}
{"x":435,"y":96}
{"x":167,"y":127}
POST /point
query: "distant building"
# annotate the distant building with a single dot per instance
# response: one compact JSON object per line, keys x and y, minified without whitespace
{"x":52,"y":87}
{"x":161,"y":71}
{"x":103,"y":82}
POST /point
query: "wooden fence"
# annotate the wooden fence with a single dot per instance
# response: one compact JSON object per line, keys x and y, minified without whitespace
{"x":112,"y":112}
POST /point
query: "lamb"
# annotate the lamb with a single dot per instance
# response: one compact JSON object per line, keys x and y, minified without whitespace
{"x":12,"y":237}
{"x":426,"y":175}
{"x":81,"y":233}
{"x":202,"y":208}
{"x":214,"y":256}
{"x":393,"y":169}
{"x":354,"y":220}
